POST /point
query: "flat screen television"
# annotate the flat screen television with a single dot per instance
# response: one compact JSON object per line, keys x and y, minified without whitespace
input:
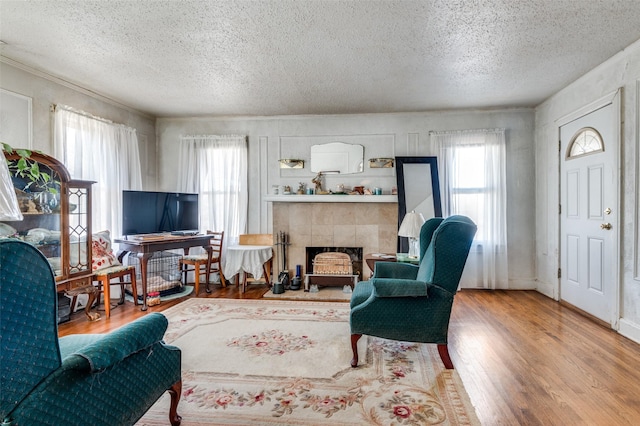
{"x":148,"y":212}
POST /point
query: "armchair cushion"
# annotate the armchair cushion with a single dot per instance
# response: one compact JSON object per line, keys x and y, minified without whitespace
{"x":399,"y":288}
{"x":404,"y":271}
{"x":114,"y":347}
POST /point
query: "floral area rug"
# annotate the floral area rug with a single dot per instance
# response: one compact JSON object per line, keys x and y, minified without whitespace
{"x":275,"y":362}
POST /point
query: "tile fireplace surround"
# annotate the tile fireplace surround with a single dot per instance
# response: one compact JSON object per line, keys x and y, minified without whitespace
{"x":372,"y":226}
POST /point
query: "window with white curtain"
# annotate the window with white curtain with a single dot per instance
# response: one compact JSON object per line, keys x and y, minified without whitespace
{"x":99,"y":150}
{"x":473,"y":179}
{"x":215,"y":167}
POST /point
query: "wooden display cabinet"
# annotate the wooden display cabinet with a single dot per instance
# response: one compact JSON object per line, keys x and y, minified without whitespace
{"x":57,"y":220}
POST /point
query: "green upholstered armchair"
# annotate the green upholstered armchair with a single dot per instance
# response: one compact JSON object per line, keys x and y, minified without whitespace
{"x":413,"y":303}
{"x":91,"y":379}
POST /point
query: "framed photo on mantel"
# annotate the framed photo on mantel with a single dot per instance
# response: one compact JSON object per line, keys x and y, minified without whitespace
{"x":418,"y":190}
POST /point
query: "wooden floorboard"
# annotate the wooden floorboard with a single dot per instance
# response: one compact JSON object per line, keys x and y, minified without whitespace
{"x":524,"y":358}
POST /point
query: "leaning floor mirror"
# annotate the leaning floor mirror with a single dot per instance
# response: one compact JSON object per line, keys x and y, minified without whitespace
{"x":418,"y":191}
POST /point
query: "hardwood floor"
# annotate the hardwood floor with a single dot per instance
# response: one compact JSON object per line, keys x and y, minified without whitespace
{"x":524,"y":358}
{"x":527,"y":360}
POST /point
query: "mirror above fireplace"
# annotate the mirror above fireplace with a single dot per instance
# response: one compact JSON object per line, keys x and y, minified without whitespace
{"x":337,"y":157}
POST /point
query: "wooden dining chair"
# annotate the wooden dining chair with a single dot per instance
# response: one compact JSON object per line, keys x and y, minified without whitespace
{"x":106,"y":267}
{"x":258,"y":240}
{"x":197,"y":261}
{"x":104,"y":277}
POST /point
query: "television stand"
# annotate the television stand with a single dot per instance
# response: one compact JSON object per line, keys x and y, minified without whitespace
{"x":145,"y":247}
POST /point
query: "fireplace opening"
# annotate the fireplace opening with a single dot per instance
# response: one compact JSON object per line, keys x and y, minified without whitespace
{"x":355,"y":253}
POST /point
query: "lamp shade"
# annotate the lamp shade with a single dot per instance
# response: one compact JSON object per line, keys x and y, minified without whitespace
{"x":411,"y":225}
{"x":9,"y":208}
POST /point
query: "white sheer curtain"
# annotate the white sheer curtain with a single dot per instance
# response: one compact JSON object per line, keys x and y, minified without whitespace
{"x":473,"y":183}
{"x":215,"y":167}
{"x":96,"y":149}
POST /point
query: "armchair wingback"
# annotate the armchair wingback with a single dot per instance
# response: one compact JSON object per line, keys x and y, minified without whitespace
{"x":413,"y":303}
{"x":109,"y":379}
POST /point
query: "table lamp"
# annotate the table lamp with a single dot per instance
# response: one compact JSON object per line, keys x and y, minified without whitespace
{"x":9,"y":208}
{"x":410,"y":227}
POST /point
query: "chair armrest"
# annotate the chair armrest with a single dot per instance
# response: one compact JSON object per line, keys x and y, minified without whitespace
{"x":399,"y":288}
{"x":119,"y":344}
{"x":405,"y":271}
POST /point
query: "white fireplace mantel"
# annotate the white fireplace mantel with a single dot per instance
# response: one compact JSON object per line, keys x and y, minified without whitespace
{"x":294,"y":198}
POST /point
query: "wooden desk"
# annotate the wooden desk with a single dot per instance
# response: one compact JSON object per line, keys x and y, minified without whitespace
{"x":145,"y":245}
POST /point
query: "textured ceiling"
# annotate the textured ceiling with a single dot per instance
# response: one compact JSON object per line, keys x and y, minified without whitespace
{"x":280,"y":57}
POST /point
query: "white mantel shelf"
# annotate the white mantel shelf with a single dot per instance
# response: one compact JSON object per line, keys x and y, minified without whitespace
{"x":294,"y":198}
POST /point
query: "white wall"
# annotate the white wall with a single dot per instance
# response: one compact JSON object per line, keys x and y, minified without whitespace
{"x":621,"y":71}
{"x":46,"y":92}
{"x":409,"y":134}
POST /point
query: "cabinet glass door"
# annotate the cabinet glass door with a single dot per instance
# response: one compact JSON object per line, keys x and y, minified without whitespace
{"x":40,"y":205}
{"x":79,"y":229}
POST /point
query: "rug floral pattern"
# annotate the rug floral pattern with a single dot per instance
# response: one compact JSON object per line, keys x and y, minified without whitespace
{"x":397,"y":383}
{"x":272,"y":342}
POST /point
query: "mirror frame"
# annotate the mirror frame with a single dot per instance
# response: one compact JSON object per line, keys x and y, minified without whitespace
{"x":411,"y":190}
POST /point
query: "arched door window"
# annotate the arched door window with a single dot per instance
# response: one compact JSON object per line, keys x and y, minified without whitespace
{"x":586,"y":141}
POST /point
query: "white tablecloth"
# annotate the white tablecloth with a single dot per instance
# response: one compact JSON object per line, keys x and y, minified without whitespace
{"x":246,"y":258}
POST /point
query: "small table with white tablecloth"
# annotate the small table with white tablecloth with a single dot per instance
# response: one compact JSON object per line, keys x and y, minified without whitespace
{"x":247,"y":259}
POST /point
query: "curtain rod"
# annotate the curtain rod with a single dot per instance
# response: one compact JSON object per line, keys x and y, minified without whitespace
{"x":189,"y":137}
{"x":457,"y":132}
{"x":54,"y":107}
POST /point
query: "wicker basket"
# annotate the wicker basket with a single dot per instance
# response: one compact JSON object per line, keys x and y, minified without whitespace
{"x":332,"y":263}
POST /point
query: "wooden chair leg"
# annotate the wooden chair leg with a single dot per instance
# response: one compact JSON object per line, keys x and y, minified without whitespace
{"x":121,"y":301}
{"x":175,"y":391}
{"x":444,"y":356}
{"x":223,"y":281}
{"x":266,"y":274}
{"x":244,"y":282}
{"x":196,"y":272}
{"x":185,"y":270}
{"x":354,"y":349}
{"x":134,"y":288}
{"x":207,"y":276}
{"x":106,"y":289}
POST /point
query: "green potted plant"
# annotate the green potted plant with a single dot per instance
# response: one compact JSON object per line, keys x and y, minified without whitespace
{"x":39,"y":186}
{"x":29,"y":170}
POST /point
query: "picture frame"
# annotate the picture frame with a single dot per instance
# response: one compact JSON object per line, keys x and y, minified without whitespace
{"x":418,"y":190}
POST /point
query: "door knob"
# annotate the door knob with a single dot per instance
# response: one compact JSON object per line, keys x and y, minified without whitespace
{"x":606,"y":226}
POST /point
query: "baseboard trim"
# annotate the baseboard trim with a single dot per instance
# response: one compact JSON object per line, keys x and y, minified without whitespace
{"x":586,"y":314}
{"x":546,"y":289}
{"x":630,"y":330}
{"x":522,"y":284}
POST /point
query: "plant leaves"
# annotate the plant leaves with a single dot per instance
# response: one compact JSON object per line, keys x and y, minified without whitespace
{"x":25,"y":153}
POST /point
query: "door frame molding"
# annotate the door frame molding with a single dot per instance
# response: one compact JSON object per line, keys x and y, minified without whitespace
{"x":615,"y":99}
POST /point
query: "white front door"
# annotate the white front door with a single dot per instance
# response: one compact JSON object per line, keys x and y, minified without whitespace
{"x":589,"y":216}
